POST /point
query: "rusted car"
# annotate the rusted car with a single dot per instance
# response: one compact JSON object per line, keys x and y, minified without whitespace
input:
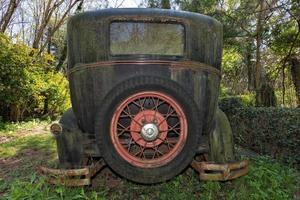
{"x":144,"y":87}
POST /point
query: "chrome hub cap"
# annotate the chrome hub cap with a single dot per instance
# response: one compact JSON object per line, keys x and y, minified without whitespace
{"x":149,"y":132}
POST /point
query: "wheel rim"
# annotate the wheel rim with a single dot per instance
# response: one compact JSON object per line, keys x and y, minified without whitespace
{"x":148,"y":129}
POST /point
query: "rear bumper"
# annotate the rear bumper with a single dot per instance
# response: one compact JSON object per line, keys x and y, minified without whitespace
{"x":209,"y":171}
{"x":72,"y":177}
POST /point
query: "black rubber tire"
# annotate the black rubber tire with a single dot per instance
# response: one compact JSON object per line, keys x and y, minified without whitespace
{"x":124,"y":168}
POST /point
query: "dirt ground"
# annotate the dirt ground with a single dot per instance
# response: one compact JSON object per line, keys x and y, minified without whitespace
{"x":33,"y":158}
{"x":38,"y":130}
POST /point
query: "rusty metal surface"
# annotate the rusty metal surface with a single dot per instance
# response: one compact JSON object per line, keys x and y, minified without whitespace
{"x":72,"y":177}
{"x":88,"y":34}
{"x":209,"y":171}
{"x":197,"y":71}
{"x":66,"y":172}
{"x":173,"y":65}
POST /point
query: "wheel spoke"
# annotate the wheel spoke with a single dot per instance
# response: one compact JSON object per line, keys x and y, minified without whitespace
{"x":157,"y":104}
{"x":132,"y":118}
{"x":173,"y":128}
{"x":170,"y":142}
{"x":170,"y":129}
{"x":140,"y":153}
{"x":154,"y":109}
{"x":129,"y":145}
{"x":123,"y":130}
{"x":142,"y":107}
{"x":126,"y":115}
{"x":156,"y":152}
{"x":119,"y":124}
{"x":166,"y":117}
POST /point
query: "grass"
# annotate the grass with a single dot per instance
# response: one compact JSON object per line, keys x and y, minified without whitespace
{"x":16,"y":146}
{"x":267,"y":179}
{"x":12,"y":129}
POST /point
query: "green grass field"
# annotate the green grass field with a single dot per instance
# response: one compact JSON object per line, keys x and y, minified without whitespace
{"x":25,"y":146}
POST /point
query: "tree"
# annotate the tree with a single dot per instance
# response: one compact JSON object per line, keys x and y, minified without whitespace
{"x":8,"y":13}
{"x":295,"y":72}
{"x":265,"y":33}
{"x":44,"y":12}
{"x":165,"y":4}
{"x":62,"y":52}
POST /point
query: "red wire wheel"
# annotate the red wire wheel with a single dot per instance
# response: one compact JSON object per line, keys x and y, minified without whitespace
{"x":148,"y":129}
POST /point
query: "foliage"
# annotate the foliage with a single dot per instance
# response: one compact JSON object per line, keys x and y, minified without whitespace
{"x":259,"y":39}
{"x":233,"y":73}
{"x":28,"y":84}
{"x":228,"y":102}
{"x":272,"y":131}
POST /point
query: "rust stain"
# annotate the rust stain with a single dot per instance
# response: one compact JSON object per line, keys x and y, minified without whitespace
{"x":72,"y":177}
{"x":174,"y":65}
{"x":209,"y":171}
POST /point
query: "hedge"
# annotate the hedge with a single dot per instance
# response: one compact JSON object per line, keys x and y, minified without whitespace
{"x":29,"y":85}
{"x":265,"y":130}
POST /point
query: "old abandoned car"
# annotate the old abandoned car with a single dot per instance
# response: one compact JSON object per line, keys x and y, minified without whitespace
{"x":144,"y":87}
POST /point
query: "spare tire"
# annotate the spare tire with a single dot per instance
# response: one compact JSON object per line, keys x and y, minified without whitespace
{"x":148,"y":129}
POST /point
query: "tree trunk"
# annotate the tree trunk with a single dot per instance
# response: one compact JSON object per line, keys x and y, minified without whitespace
{"x":49,"y":41}
{"x":12,"y":6}
{"x":266,"y":95}
{"x":57,"y":25}
{"x":15,"y":113}
{"x":62,"y":57}
{"x":64,"y":52}
{"x":295,"y":72}
{"x":258,"y":66}
{"x":46,"y":105}
{"x":249,"y":64}
{"x":45,"y":18}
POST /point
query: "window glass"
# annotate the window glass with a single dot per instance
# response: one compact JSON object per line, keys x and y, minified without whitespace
{"x":146,"y":38}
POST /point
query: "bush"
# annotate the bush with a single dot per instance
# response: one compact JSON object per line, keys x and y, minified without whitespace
{"x":229,"y":104}
{"x":266,"y":130}
{"x":28,"y":84}
{"x":238,"y":100}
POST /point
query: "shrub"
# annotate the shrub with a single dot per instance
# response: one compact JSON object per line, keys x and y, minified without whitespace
{"x":266,"y":130}
{"x":28,"y":84}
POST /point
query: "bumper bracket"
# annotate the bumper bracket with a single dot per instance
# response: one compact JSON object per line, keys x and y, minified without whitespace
{"x":209,"y":171}
{"x":72,"y":177}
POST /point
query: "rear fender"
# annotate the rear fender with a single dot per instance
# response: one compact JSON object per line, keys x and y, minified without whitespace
{"x":69,"y":142}
{"x":221,"y":140}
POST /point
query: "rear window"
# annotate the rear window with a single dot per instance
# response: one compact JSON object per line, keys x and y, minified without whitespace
{"x":127,"y":38}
